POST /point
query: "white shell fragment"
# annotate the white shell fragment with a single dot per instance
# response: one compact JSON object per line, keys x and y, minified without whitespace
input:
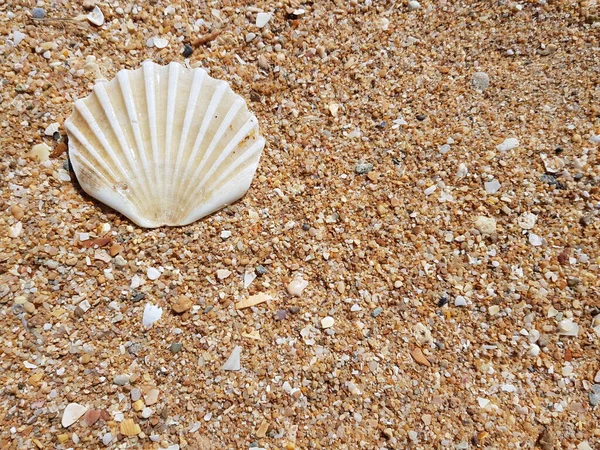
{"x":233,"y":362}
{"x":507,"y":144}
{"x":151,"y":314}
{"x":262,"y":19}
{"x":72,"y":414}
{"x":51,"y":129}
{"x":164,"y":145}
{"x":96,"y":17}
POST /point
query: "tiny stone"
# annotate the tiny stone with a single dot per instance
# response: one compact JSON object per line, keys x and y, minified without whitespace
{"x":508,"y":144}
{"x":281,"y":314}
{"x":175,"y":347}
{"x":181,"y":304}
{"x":223,"y":273}
{"x":594,"y":395}
{"x":363,"y":168}
{"x":491,"y":187}
{"x":485,"y":225}
{"x":41,"y":152}
{"x":296,"y":286}
{"x":147,"y":412}
{"x":121,"y":380}
{"x":260,"y":270}
{"x":480,"y":81}
{"x":153,"y":273}
{"x":136,"y":394}
{"x":187,"y":51}
{"x":413,"y":5}
{"x":262,"y":19}
{"x":493,"y":310}
{"x":107,"y":439}
{"x":535,"y":240}
{"x":38,"y":13}
{"x":327,"y":322}
{"x":460,"y":301}
{"x":377,"y":312}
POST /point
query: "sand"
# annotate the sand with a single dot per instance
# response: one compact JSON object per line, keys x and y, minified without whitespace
{"x":414,"y":266}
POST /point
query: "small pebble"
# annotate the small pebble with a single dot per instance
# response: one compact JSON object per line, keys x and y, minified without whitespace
{"x":223,"y":273}
{"x":363,"y":168}
{"x":41,"y":152}
{"x":535,"y":240}
{"x":121,"y":380}
{"x":262,"y":19}
{"x":460,"y":301}
{"x":594,"y":395}
{"x":38,"y":13}
{"x":413,"y":5}
{"x":480,"y":81}
{"x":107,"y":439}
{"x":491,"y":187}
{"x":296,"y":286}
{"x":327,"y":322}
{"x":508,"y":144}
{"x":281,"y":314}
{"x":187,"y":51}
{"x":175,"y":347}
{"x":485,"y":225}
{"x":377,"y":312}
{"x":260,"y":270}
{"x":153,"y":273}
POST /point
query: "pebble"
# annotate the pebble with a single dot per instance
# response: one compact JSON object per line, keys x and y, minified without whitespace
{"x":585,"y":445}
{"x":480,"y":81}
{"x":72,"y":414}
{"x":363,"y":168}
{"x":107,"y":439}
{"x":534,"y":350}
{"x":377,"y":312}
{"x":233,"y":362}
{"x":135,"y":394}
{"x":508,"y":144}
{"x":160,"y":42}
{"x":568,"y":328}
{"x":38,"y":13}
{"x":281,"y":314}
{"x":296,"y":286}
{"x":527,"y":220}
{"x":151,"y":397}
{"x":223,"y":273}
{"x":493,"y":310}
{"x":262,"y":19}
{"x":41,"y":152}
{"x":460,"y":301}
{"x":260,"y":270}
{"x":175,"y":347}
{"x":147,"y":412}
{"x":225,"y":234}
{"x":92,"y":416}
{"x":187,"y":51}
{"x":535,"y":240}
{"x":182,"y":304}
{"x":595,"y":139}
{"x":485,"y":225}
{"x":96,"y":17}
{"x":14,"y":231}
{"x":491,"y":187}
{"x":327,"y":322}
{"x":413,"y":5}
{"x":121,"y":380}
{"x":153,"y":273}
{"x":151,"y":314}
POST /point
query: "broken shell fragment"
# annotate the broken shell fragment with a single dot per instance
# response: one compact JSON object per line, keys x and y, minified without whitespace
{"x":72,"y":414}
{"x":164,"y":145}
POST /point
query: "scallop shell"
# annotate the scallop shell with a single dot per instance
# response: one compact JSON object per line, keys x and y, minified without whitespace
{"x":164,"y":145}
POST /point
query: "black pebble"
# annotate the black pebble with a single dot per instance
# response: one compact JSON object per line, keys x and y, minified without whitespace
{"x":420,"y":117}
{"x":187,"y":51}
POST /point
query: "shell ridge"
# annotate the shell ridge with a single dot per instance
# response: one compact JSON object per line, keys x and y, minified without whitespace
{"x":200,"y":168}
{"x":197,"y":84}
{"x":127,"y":93}
{"x":109,"y":111}
{"x":228,"y":149}
{"x":151,"y":107}
{"x":78,"y":135}
{"x":246,"y":156}
{"x":171,"y":103}
{"x":212,"y":106}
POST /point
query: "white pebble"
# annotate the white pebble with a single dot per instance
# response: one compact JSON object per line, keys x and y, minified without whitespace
{"x":15,"y":230}
{"x":460,"y":301}
{"x":462,"y":171}
{"x":480,"y":81}
{"x":223,"y":273}
{"x":296,"y":286}
{"x":18,"y":37}
{"x":233,"y":362}
{"x":527,"y":221}
{"x":151,"y":314}
{"x":595,"y":139}
{"x":41,"y":152}
{"x":485,"y":225}
{"x":225,"y":234}
{"x":263,"y":19}
{"x":508,"y":144}
{"x":413,"y":5}
{"x":160,"y":42}
{"x":153,"y":273}
{"x":534,"y":350}
{"x":491,"y":187}
{"x":327,"y":322}
{"x":535,"y":240}
{"x":96,"y":17}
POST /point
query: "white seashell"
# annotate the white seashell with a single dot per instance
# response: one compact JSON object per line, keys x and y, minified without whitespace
{"x":96,"y":17}
{"x":72,"y":414}
{"x":164,"y":145}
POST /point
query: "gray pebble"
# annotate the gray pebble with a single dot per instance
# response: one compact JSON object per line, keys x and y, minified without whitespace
{"x":480,"y":81}
{"x":175,"y":347}
{"x":260,"y":270}
{"x":594,"y":395}
{"x":136,"y":394}
{"x":377,"y":311}
{"x":38,"y":13}
{"x":413,"y":5}
{"x":281,"y":314}
{"x":363,"y":168}
{"x":107,"y":439}
{"x":121,"y":380}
